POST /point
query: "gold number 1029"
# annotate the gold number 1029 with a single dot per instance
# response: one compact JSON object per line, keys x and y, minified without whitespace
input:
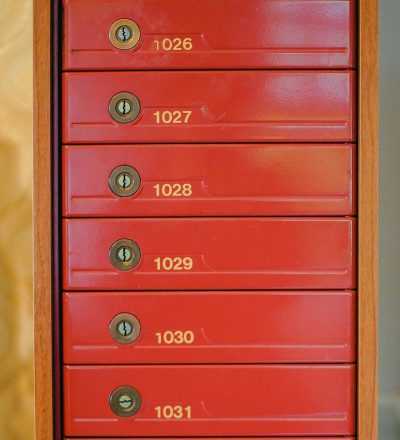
{"x":176,"y":263}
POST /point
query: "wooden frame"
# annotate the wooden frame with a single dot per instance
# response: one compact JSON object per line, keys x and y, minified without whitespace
{"x":42,"y":207}
{"x":367,"y":219}
{"x":368,"y":204}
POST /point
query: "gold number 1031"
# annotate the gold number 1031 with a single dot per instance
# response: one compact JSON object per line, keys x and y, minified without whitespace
{"x":173,"y":412}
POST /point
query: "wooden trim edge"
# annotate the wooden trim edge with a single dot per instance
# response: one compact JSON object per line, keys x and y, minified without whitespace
{"x":367,"y":428}
{"x":42,"y":209}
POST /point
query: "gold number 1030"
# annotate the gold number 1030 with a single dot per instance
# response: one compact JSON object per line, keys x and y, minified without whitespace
{"x":178,"y":337}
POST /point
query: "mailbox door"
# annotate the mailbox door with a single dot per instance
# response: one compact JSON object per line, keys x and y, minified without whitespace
{"x":208,"y":106}
{"x":226,"y":438}
{"x":195,"y":253}
{"x":200,"y":180}
{"x":220,"y":327}
{"x":255,"y":400}
{"x":206,"y":34}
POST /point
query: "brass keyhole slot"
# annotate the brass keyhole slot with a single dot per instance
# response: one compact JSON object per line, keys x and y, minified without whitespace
{"x":124,"y":181}
{"x":124,"y":34}
{"x":125,"y":328}
{"x":124,"y":107}
{"x":125,"y":401}
{"x":124,"y":254}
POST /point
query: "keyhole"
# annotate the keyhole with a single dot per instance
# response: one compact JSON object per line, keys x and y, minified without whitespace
{"x":125,"y":401}
{"x":124,"y":33}
{"x":124,"y":180}
{"x":124,"y":254}
{"x":124,"y":107}
{"x":125,"y":328}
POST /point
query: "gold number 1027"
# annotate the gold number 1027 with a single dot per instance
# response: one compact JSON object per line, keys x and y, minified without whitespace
{"x":172,"y":117}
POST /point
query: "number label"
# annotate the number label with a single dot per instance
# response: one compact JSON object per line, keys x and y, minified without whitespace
{"x":172,"y":116}
{"x":176,"y":263}
{"x":179,"y":337}
{"x":173,"y":412}
{"x":174,"y":44}
{"x":173,"y":190}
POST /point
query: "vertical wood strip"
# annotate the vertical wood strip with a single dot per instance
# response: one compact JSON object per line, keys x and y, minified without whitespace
{"x":368,"y":220}
{"x":42,"y":221}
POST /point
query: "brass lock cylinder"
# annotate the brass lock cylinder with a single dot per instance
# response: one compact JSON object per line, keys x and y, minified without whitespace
{"x":124,"y":34}
{"x":125,"y":254}
{"x":124,"y":181}
{"x":124,"y":107}
{"x":125,"y":328}
{"x":125,"y":401}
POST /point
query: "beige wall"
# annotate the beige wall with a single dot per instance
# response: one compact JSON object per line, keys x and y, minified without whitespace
{"x":16,"y":368}
{"x":389,"y":220}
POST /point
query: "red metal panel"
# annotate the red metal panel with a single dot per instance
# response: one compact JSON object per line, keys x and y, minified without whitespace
{"x":221,"y":106}
{"x":224,"y":180}
{"x":221,"y":33}
{"x":219,"y":327}
{"x":224,"y":400}
{"x":226,"y":253}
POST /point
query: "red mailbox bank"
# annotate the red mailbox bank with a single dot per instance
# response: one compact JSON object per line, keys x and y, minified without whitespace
{"x":205,"y":210}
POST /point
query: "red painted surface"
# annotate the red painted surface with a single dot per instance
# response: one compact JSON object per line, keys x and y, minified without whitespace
{"x":226,"y":106}
{"x":293,"y":349}
{"x":228,"y":438}
{"x":224,"y":34}
{"x":225,"y":400}
{"x":227,"y":327}
{"x":227,"y":253}
{"x":225,"y":180}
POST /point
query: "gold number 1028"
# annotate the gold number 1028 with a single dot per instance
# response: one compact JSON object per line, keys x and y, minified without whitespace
{"x":173,"y":190}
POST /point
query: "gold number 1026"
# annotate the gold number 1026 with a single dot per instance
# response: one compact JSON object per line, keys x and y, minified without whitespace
{"x":174,"y":44}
